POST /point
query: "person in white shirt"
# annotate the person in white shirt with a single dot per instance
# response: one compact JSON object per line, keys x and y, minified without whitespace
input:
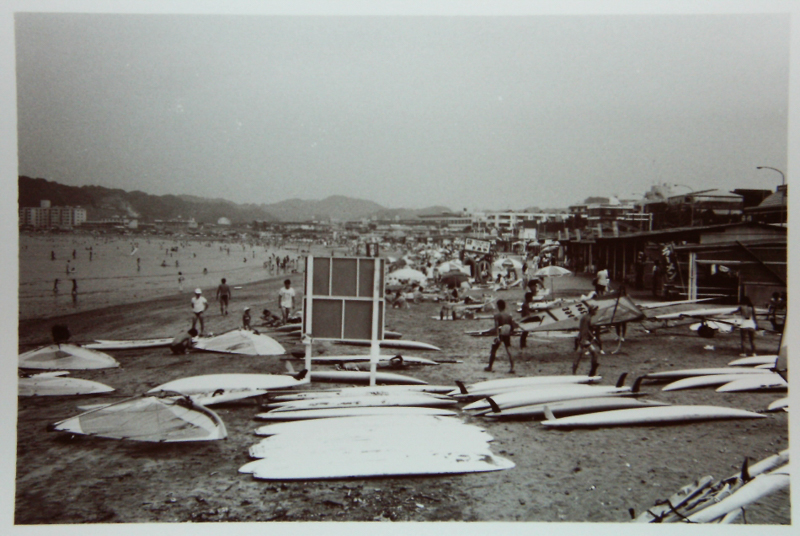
{"x":199,"y":305}
{"x":286,"y":300}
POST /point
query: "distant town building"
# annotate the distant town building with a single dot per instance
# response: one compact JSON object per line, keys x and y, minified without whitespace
{"x":223,"y":221}
{"x":45,"y":216}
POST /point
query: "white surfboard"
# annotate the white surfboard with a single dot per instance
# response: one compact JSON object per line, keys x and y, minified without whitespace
{"x":657,"y":415}
{"x":490,"y":385}
{"x":128,"y":344}
{"x":761,"y":486}
{"x":757,"y":382}
{"x":393,"y":343}
{"x":345,"y":412}
{"x":406,"y":359}
{"x":59,"y":386}
{"x":378,"y":464}
{"x":361,"y":376}
{"x":685,"y":373}
{"x":541,"y":395}
{"x":362,"y":440}
{"x":209,"y":383}
{"x":777,"y":405}
{"x":694,"y":382}
{"x":577,"y":406}
{"x":753,"y":361}
{"x":343,"y":425}
{"x":419,"y":399}
{"x":65,"y":357}
{"x":359,"y":391}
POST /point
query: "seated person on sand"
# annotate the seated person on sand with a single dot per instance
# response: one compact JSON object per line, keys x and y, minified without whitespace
{"x":270,"y":319}
{"x":400,"y":301}
{"x":501,"y":282}
{"x":183,"y":342}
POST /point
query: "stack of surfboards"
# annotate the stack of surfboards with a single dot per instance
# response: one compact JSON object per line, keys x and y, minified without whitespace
{"x":730,"y":379}
{"x":706,"y":501}
{"x":371,"y":446}
{"x":349,"y":402}
{"x":516,"y":398}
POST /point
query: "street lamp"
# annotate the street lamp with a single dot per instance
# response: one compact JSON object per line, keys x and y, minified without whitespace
{"x":783,"y":177}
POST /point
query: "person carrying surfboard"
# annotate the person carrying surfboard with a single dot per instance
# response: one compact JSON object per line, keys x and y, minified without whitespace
{"x":587,"y":340}
{"x":504,"y":326}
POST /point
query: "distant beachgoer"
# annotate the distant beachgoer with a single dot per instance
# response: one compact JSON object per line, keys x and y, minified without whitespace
{"x":180,"y":281}
{"x":199,"y":305}
{"x":177,"y":265}
{"x":74,"y":254}
{"x":205,"y":271}
{"x":55,"y":286}
{"x":223,"y":296}
{"x":286,"y":297}
{"x":68,"y":268}
{"x":164,"y":264}
{"x":246,"y":319}
{"x":183,"y":342}
{"x":52,"y":255}
{"x":74,"y":291}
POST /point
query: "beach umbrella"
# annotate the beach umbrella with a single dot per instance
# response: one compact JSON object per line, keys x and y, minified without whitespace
{"x":501,"y":266}
{"x":406,"y":274}
{"x":552,"y":271}
{"x":241,"y":341}
{"x":66,"y":357}
{"x":449,"y":266}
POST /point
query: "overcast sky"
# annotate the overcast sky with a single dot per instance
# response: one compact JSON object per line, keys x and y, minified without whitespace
{"x":468,"y":112}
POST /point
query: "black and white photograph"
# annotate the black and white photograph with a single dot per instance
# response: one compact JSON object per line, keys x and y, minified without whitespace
{"x":289,"y":262}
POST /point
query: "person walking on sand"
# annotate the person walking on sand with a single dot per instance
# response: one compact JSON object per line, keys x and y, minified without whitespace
{"x":180,"y":281}
{"x":199,"y":305}
{"x":586,"y":340}
{"x":223,"y":296}
{"x":74,"y":291}
{"x":286,"y":299}
{"x":748,"y":325}
{"x":55,"y":286}
{"x":504,"y":326}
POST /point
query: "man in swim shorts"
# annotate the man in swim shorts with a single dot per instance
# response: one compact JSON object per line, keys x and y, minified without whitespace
{"x":199,"y":305}
{"x":223,"y":296}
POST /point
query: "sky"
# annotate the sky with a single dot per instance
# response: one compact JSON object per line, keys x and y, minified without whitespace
{"x":477,"y":112}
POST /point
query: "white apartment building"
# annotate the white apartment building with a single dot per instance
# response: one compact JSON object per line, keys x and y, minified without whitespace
{"x":45,"y":216}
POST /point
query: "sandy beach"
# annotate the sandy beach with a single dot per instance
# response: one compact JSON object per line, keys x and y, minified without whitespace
{"x":593,"y":475}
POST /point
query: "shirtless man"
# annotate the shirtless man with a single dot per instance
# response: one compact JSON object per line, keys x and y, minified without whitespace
{"x":504,"y":326}
{"x":587,"y":340}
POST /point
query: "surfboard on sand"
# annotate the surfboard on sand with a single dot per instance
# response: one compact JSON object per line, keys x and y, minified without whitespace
{"x":685,"y":373}
{"x":393,"y":343}
{"x":413,"y":399}
{"x":493,"y":386}
{"x":128,"y":344}
{"x":404,"y":359}
{"x":359,"y":391}
{"x":553,"y":393}
{"x":344,"y":425}
{"x":147,"y":419}
{"x":209,"y":383}
{"x":362,"y":376}
{"x":65,"y":357}
{"x":756,"y":382}
{"x":694,"y":382}
{"x":777,"y":405}
{"x":655,"y":415}
{"x":753,"y":361}
{"x":355,"y":412}
{"x":578,"y":406}
{"x":59,"y":386}
{"x":759,"y":487}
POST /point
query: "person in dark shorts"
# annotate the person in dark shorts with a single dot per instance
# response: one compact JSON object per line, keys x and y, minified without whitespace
{"x":223,"y":296}
{"x":504,"y":326}
{"x":183,"y":342}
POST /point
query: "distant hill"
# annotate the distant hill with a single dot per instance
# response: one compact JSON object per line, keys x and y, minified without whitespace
{"x":101,"y":202}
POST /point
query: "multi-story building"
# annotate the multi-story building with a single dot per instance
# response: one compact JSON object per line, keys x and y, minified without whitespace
{"x":46,"y":216}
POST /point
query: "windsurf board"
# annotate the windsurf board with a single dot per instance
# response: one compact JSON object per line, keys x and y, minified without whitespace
{"x":656,"y":415}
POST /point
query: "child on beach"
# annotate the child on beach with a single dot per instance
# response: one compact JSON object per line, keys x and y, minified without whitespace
{"x":246,"y":319}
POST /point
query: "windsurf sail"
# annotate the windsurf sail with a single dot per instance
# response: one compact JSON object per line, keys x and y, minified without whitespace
{"x":241,"y":341}
{"x":65,"y":357}
{"x":172,"y":419}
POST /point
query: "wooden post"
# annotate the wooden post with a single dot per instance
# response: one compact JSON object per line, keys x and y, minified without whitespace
{"x":375,"y":346}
